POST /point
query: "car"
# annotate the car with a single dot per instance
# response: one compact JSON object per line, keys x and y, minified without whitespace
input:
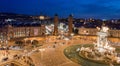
{"x":5,"y":59}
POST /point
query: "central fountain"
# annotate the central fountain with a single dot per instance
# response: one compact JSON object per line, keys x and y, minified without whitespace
{"x":102,"y":51}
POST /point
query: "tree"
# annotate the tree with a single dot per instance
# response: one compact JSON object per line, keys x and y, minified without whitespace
{"x":19,"y":43}
{"x":28,"y":41}
{"x":76,"y":31}
{"x":34,"y":42}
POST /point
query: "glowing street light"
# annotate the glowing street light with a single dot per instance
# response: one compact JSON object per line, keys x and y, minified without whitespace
{"x":46,"y":37}
{"x":66,"y":40}
{"x":72,"y":34}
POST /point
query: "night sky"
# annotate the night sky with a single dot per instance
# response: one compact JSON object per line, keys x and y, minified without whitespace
{"x":79,"y":8}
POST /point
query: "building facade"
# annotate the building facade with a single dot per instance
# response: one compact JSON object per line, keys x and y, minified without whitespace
{"x":9,"y":32}
{"x":93,"y":31}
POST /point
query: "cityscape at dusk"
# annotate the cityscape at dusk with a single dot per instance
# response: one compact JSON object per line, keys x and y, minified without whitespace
{"x":59,"y":33}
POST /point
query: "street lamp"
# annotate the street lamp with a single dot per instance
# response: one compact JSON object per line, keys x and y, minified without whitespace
{"x":72,"y":34}
{"x":25,"y":40}
{"x":42,"y":52}
{"x":0,"y":42}
{"x":46,"y":37}
{"x":6,"y":42}
{"x":31,"y":41}
{"x":62,"y":34}
{"x":66,"y":40}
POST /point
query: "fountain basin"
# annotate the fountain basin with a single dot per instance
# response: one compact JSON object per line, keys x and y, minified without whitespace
{"x":71,"y":53}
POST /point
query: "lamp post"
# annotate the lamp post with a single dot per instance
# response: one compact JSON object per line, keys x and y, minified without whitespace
{"x":6,"y":42}
{"x":62,"y":34}
{"x":25,"y":42}
{"x":0,"y":42}
{"x":42,"y":52}
{"x":31,"y":41}
{"x":46,"y":38}
{"x":72,"y":34}
{"x":66,"y":40}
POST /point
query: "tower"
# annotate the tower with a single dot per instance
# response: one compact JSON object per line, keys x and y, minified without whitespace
{"x":70,"y":24}
{"x":56,"y":20}
{"x":9,"y":32}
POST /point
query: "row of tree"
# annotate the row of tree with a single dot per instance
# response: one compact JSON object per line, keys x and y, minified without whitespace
{"x":22,"y":43}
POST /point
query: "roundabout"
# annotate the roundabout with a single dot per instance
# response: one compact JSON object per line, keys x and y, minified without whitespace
{"x":101,"y":53}
{"x":72,"y":53}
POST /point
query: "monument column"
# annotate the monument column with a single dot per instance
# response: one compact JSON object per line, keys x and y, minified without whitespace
{"x":70,"y":24}
{"x":56,"y":20}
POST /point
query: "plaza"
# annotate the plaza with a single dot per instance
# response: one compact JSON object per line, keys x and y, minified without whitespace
{"x":51,"y":52}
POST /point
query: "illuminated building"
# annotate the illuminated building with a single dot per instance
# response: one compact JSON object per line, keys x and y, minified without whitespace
{"x":93,"y":31}
{"x":41,"y":17}
{"x":9,"y":32}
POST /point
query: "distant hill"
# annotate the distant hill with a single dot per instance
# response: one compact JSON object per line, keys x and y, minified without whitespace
{"x":12,"y":16}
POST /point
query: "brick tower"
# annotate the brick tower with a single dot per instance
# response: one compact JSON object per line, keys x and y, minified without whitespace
{"x":70,"y":24}
{"x":56,"y":20}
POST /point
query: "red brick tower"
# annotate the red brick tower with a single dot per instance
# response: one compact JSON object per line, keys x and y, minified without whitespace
{"x":70,"y":24}
{"x":56,"y":20}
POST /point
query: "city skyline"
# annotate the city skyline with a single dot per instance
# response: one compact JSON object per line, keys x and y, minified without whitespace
{"x":78,"y":8}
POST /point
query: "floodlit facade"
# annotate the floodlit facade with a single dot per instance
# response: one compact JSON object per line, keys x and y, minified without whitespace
{"x":93,"y":31}
{"x":9,"y":32}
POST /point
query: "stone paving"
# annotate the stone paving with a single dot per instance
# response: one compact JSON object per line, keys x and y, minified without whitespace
{"x":52,"y":57}
{"x":51,"y":53}
{"x":55,"y":56}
